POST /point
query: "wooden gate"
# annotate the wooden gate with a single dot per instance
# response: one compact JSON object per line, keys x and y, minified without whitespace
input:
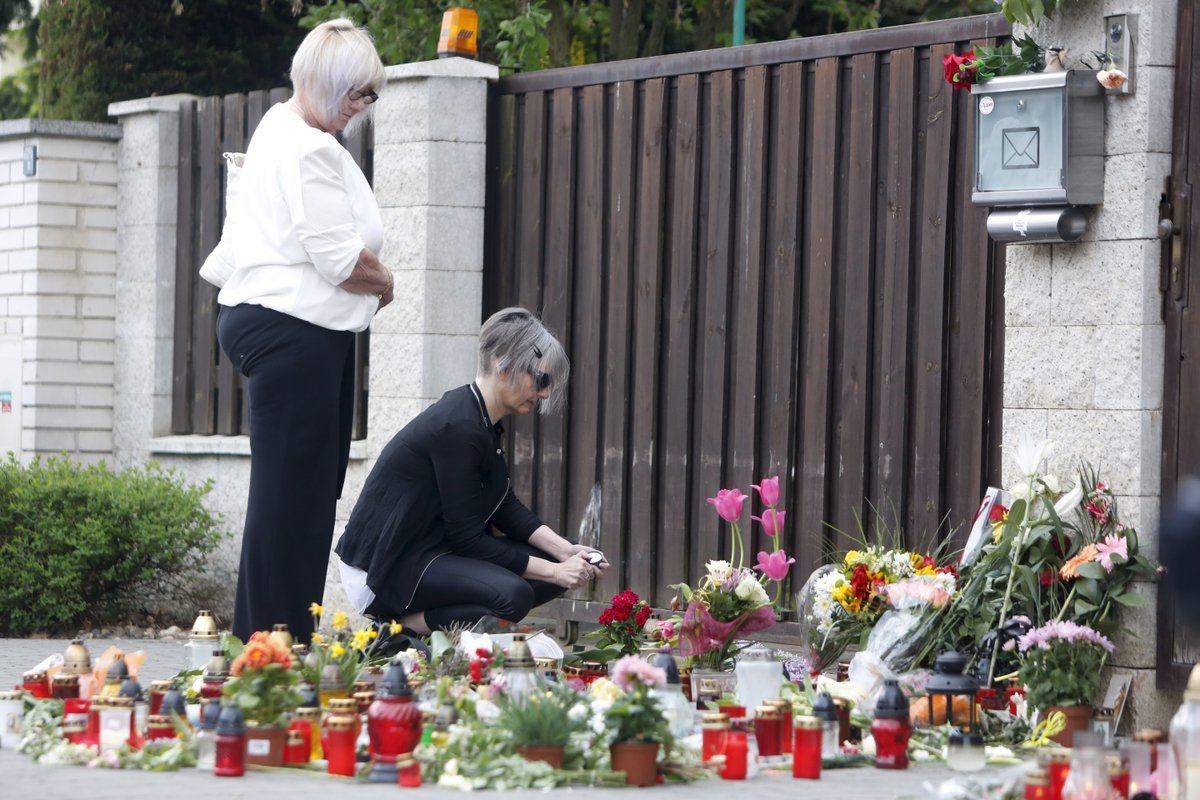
{"x":762,"y":261}
{"x":1177,"y":650}
{"x":208,"y":393}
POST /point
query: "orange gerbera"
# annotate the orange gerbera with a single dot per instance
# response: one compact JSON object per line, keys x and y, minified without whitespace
{"x":1071,"y":568}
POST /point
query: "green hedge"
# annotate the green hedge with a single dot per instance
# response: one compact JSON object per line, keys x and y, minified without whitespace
{"x":81,"y":545}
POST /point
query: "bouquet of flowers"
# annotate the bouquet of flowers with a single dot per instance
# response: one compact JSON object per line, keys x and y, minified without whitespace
{"x":1061,"y":663}
{"x":621,"y":628}
{"x":729,"y":602}
{"x":264,"y":683}
{"x":342,"y":652}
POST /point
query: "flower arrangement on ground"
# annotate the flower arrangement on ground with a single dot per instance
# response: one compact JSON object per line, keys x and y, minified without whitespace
{"x":1061,"y":663}
{"x":621,"y":630}
{"x":544,"y":719}
{"x":263,"y":683}
{"x":635,"y":715}
{"x":341,"y":651}
{"x":730,"y":600}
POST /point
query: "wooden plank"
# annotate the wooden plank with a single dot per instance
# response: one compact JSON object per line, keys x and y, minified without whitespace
{"x":557,"y":282}
{"x":233,"y":140}
{"x":617,"y":345}
{"x":709,"y":538}
{"x":813,"y":453}
{"x":523,"y":462}
{"x":896,"y":259}
{"x":781,"y":282}
{"x":587,"y":291}
{"x":750,"y":178}
{"x":678,"y":305}
{"x":726,"y":58}
{"x":855,"y":290}
{"x":928,"y":353}
{"x":969,"y":333}
{"x":186,"y":272}
{"x":204,"y":358}
{"x":499,"y":271}
{"x":643,"y":425}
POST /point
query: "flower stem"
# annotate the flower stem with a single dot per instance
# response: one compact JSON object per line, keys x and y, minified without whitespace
{"x":1066,"y":603}
{"x":1012,"y":575}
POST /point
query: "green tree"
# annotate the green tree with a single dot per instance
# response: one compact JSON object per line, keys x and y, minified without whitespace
{"x":94,"y":52}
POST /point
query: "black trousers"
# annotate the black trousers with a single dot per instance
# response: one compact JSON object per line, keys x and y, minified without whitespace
{"x":301,"y":398}
{"x":458,"y":590}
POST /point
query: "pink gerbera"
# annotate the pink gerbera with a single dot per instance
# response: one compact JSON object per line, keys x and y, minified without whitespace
{"x":1112,"y":545}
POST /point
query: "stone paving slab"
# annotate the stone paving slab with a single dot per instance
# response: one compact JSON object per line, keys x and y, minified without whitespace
{"x":20,"y":778}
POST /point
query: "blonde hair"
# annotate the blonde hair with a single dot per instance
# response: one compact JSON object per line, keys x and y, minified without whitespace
{"x":514,"y":341}
{"x":336,"y":58}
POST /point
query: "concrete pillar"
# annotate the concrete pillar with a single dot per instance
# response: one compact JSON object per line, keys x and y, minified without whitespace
{"x":1084,"y":337}
{"x":58,"y":198}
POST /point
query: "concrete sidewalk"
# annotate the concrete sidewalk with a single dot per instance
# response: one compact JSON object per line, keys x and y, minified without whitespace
{"x":20,"y":778}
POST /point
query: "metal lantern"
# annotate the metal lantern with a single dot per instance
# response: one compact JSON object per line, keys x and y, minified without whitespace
{"x":964,"y":750}
{"x":521,"y":674}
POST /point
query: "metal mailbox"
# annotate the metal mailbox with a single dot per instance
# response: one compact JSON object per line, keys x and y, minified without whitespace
{"x":1039,"y":142}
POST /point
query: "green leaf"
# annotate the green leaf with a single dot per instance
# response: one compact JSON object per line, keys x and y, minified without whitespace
{"x":1083,"y":606}
{"x":1089,"y":588}
{"x":1130,"y":599}
{"x":1090,"y":569}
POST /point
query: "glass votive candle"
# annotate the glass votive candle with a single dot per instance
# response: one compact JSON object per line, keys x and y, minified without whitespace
{"x":1037,"y":784}
{"x":768,"y":731}
{"x":714,"y":733}
{"x":1057,"y":763}
{"x":12,"y":715}
{"x":965,"y":752}
{"x":1118,"y":775}
{"x":157,"y":690}
{"x":37,"y":683}
{"x":115,"y":720}
{"x":806,"y":751}
{"x":736,"y":752}
{"x":63,"y":686}
{"x":410,"y":772}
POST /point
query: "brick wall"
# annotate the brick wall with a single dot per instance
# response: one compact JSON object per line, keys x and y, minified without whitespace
{"x":57,"y":276}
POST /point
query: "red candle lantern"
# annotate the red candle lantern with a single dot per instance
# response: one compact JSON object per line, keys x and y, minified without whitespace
{"x":297,"y":749}
{"x":159,"y":726}
{"x":410,"y":772}
{"x":231,"y":743}
{"x":785,"y":712}
{"x":157,"y":690}
{"x":768,"y":731}
{"x":393,"y":723}
{"x":64,"y":686}
{"x":308,"y":719}
{"x":714,"y":735}
{"x":338,"y":737}
{"x":734,"y":768}
{"x":1058,"y":764}
{"x":806,"y":754}
{"x":36,"y":683}
{"x":891,"y":728}
{"x":1037,"y":784}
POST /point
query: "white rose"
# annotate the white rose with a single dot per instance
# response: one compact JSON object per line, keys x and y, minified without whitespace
{"x":752,"y":591}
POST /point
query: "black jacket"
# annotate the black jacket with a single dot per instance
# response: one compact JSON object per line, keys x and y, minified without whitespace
{"x":437,"y":486}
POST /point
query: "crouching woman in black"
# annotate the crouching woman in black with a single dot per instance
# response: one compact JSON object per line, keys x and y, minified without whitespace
{"x":418,"y":547}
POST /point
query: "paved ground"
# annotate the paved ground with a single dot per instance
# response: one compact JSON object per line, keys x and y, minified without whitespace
{"x":20,"y":778}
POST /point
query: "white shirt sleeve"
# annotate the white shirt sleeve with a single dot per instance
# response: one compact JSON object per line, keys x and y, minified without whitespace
{"x":320,"y":207}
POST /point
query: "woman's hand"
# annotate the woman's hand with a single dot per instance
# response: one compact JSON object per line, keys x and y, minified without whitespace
{"x":584,"y":550}
{"x":573,"y":572}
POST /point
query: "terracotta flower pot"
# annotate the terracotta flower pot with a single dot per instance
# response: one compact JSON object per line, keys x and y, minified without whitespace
{"x":1079,"y":718}
{"x":638,"y":760}
{"x":552,"y":754}
{"x":264,"y":746}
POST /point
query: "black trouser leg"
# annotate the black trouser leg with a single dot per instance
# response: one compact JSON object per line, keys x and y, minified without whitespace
{"x":300,"y":408}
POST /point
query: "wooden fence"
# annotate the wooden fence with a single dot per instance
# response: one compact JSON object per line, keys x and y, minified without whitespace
{"x":209,"y":395}
{"x":763,"y":261}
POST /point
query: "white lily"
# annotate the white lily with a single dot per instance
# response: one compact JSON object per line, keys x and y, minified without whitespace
{"x":1052,"y":483}
{"x":1029,"y":455}
{"x":1069,"y":501}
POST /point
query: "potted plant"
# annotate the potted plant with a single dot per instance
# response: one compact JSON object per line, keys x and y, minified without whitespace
{"x":637,"y":722}
{"x":263,"y":686}
{"x":541,"y":724}
{"x":1060,"y":669}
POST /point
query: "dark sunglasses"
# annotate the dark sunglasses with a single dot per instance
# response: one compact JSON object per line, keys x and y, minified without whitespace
{"x":367,"y":97}
{"x":542,"y":380}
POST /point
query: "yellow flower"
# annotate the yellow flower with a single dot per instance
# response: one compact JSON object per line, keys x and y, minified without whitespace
{"x":851,"y":557}
{"x":316,"y":609}
{"x":395,"y":627}
{"x":318,"y":638}
{"x":604,"y":689}
{"x":361,"y":639}
{"x":337,"y":651}
{"x":339,"y":620}
{"x":373,"y":633}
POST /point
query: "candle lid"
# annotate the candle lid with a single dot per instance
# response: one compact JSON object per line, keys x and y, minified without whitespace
{"x":158,"y":721}
{"x":519,"y":656}
{"x":281,"y":637}
{"x":64,"y":679}
{"x":230,"y":723}
{"x":210,"y":714}
{"x":395,"y":680}
{"x":343,"y":705}
{"x":34,"y":676}
{"x":76,"y":658}
{"x":824,"y":707}
{"x":11,"y":695}
{"x":205,"y":626}
{"x":1152,"y":735}
{"x":768,"y":712}
{"x":160,"y":687}
{"x":806,"y":723}
{"x":295,"y":737}
{"x":1037,"y":777}
{"x":339,"y":722}
{"x":891,"y":704}
{"x":307,"y":713}
{"x":118,"y":671}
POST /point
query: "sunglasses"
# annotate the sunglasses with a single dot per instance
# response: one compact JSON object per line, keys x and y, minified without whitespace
{"x":542,"y":380}
{"x":367,"y":97}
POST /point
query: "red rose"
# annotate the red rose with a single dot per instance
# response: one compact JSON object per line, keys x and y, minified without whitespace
{"x":476,"y":669}
{"x":959,"y":70}
{"x":643,"y":614}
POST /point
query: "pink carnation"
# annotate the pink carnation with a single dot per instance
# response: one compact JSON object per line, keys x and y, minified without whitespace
{"x":1112,"y":545}
{"x":632,"y":671}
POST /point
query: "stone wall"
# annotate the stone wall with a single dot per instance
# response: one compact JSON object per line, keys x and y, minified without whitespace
{"x":58,"y":199}
{"x":1084,"y":336}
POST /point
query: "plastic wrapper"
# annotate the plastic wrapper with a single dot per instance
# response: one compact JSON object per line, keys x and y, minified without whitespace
{"x":827,"y":629}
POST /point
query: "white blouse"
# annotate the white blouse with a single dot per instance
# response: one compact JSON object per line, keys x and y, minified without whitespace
{"x":302,"y":215}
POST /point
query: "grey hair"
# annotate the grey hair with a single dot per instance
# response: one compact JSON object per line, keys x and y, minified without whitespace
{"x":336,"y":58}
{"x":514,"y":341}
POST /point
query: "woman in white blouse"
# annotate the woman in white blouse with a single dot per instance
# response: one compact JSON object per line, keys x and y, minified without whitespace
{"x":299,"y":276}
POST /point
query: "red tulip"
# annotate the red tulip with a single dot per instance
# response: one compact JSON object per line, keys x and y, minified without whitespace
{"x":729,"y":504}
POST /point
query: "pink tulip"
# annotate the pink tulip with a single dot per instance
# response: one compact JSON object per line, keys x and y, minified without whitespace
{"x":768,"y":490}
{"x":772,"y":522}
{"x":729,"y":504}
{"x":774,"y":565}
